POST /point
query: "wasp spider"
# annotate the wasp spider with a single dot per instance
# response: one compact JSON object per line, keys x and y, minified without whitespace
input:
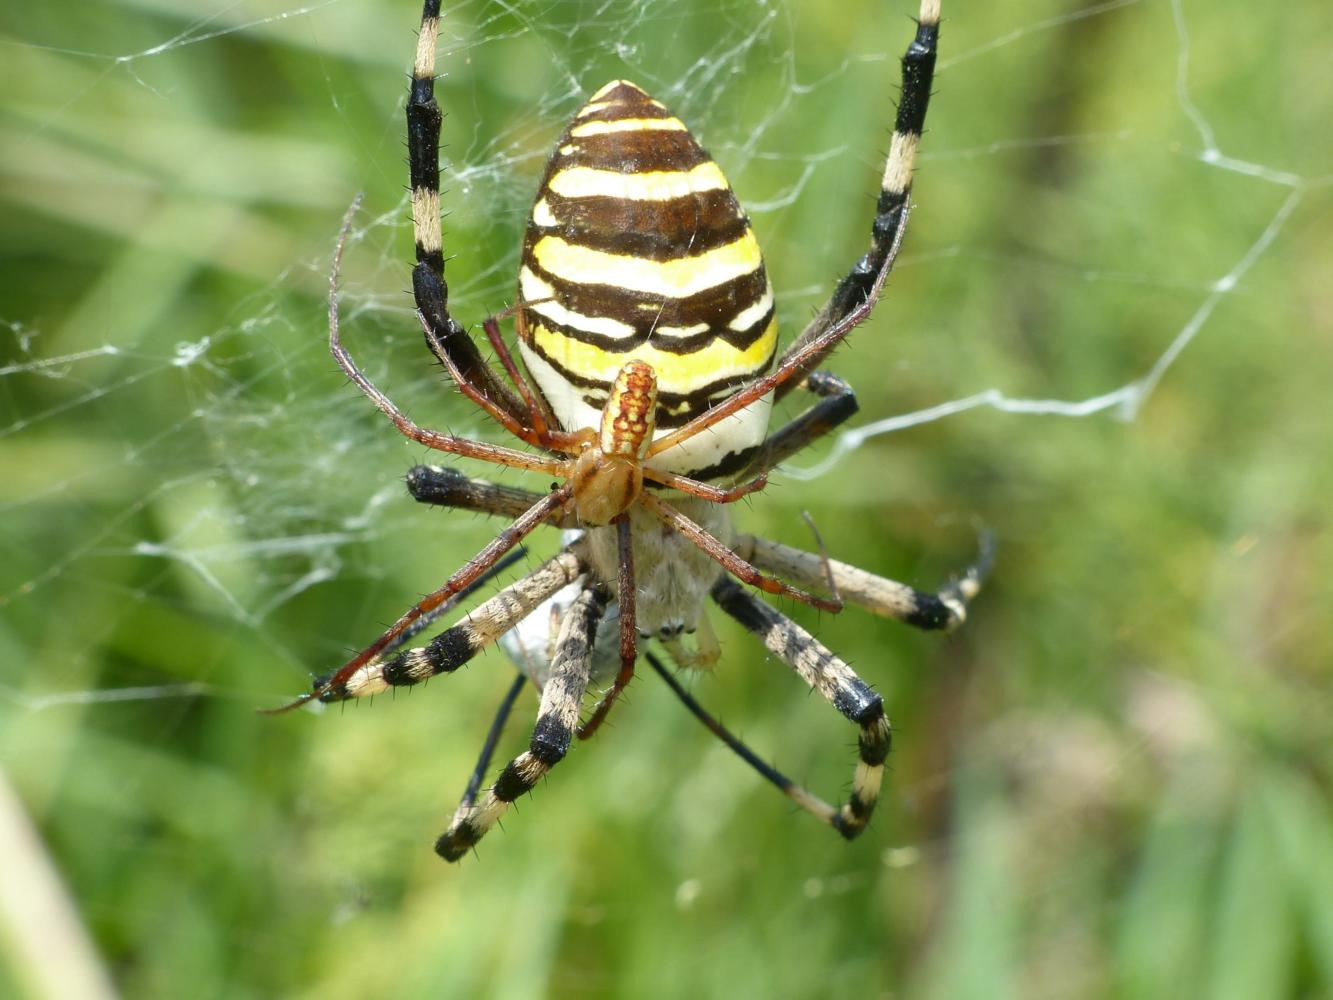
{"x":646,"y":324}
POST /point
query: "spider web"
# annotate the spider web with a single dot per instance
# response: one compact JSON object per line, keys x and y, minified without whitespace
{"x":256,"y":479}
{"x":290,"y":515}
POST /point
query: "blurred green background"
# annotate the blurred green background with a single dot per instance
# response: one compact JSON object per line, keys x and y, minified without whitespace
{"x":1114,"y":781}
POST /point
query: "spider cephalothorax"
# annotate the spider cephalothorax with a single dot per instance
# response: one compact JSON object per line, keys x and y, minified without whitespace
{"x":646,"y":322}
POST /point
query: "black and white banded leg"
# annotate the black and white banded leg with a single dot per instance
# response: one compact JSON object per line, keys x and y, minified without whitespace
{"x":838,"y":683}
{"x":441,"y":486}
{"x":444,"y":335}
{"x":802,"y":797}
{"x":492,"y":741}
{"x":557,"y":719}
{"x":942,"y":610}
{"x":856,"y":294}
{"x":837,"y":404}
{"x":457,"y":645}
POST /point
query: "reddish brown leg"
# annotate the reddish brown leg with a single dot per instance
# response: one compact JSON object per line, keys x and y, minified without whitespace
{"x":506,"y":420}
{"x":475,"y":567}
{"x":704,"y":491}
{"x":796,"y":363}
{"x":492,"y":327}
{"x":537,"y":412}
{"x":629,"y":633}
{"x":431,"y":439}
{"x":728,"y":560}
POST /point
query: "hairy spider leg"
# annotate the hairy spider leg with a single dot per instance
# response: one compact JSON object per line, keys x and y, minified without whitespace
{"x":728,"y":559}
{"x":836,"y":405}
{"x":459,"y":643}
{"x":445,"y":336}
{"x":335,"y":686}
{"x":629,"y":635}
{"x":943,"y":610}
{"x":431,"y":439}
{"x":556,"y":719}
{"x":813,"y":804}
{"x":833,"y":679}
{"x":856,"y":294}
{"x":492,"y":741}
{"x":537,"y":410}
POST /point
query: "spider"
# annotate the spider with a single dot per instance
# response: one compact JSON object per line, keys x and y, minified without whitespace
{"x":645,"y":321}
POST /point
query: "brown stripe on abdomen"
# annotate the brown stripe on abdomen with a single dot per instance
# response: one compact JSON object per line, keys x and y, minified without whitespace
{"x":657,"y":230}
{"x":648,"y":331}
{"x":632,"y":151}
{"x":714,"y":306}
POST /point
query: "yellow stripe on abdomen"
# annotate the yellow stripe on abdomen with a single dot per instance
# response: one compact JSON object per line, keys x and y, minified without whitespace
{"x":654,"y":185}
{"x":676,"y":279}
{"x":629,"y":125}
{"x":677,"y":374}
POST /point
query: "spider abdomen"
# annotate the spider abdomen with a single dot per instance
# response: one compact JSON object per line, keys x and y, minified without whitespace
{"x":638,"y":250}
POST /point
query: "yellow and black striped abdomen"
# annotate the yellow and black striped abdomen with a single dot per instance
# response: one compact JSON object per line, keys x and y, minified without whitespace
{"x":637,"y":249}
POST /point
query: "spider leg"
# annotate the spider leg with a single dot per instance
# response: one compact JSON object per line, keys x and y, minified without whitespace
{"x":433,"y":484}
{"x":856,"y":294}
{"x":339,"y":684}
{"x":458,"y":644}
{"x":538,"y":415}
{"x":445,"y":487}
{"x":806,"y":800}
{"x":629,"y":633}
{"x":726,"y":558}
{"x":833,"y":679}
{"x":430,"y":618}
{"x":538,"y":437}
{"x":706,"y":491}
{"x":431,"y":439}
{"x":444,"y":335}
{"x":945,"y":609}
{"x":426,"y":620}
{"x":837,"y":404}
{"x":492,"y":739}
{"x":556,"y":720}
